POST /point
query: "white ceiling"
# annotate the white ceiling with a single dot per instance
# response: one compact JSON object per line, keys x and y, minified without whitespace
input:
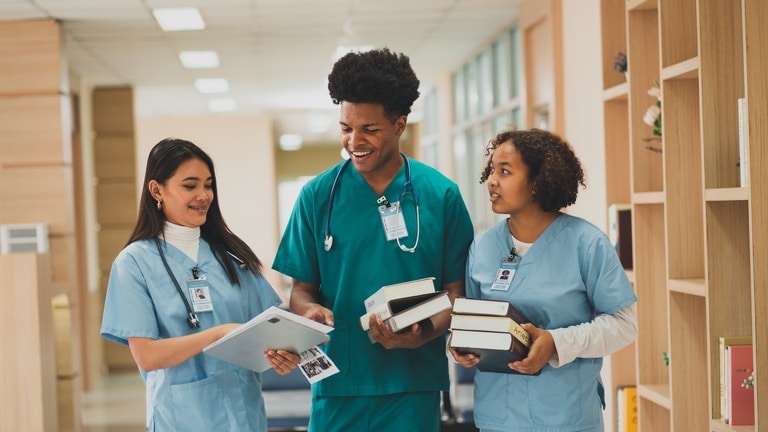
{"x":276,"y":54}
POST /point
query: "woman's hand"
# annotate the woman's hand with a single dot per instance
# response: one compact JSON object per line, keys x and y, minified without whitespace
{"x":283,"y":362}
{"x":542,"y":349}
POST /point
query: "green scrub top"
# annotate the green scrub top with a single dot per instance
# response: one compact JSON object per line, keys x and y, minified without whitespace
{"x":362,"y":260}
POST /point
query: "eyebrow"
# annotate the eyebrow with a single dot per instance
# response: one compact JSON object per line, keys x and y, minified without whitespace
{"x":367,"y":125}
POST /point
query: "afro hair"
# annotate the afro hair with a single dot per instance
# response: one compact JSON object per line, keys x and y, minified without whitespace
{"x":378,"y":76}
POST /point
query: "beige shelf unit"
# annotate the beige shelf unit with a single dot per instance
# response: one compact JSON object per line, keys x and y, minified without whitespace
{"x":699,"y":234}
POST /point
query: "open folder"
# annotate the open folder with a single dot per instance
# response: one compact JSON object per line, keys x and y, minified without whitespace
{"x":273,"y":329}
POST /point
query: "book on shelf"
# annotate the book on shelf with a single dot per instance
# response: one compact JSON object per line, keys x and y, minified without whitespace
{"x":726,"y":341}
{"x":407,"y":311}
{"x":741,"y":399}
{"x":620,"y":232}
{"x":396,"y":297}
{"x":274,"y":329}
{"x":743,"y":142}
{"x":626,"y":403}
{"x":495,"y":349}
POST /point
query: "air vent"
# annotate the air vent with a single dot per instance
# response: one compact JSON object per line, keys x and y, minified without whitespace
{"x":23,"y":238}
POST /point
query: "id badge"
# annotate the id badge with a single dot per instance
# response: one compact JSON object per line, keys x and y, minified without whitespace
{"x":504,"y":275}
{"x":393,"y":221}
{"x":200,"y":294}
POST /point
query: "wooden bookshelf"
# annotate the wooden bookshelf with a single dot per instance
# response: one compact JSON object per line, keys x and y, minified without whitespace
{"x":699,"y":234}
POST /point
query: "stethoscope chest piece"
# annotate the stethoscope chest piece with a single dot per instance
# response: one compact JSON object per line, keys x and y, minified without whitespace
{"x":328,"y":244}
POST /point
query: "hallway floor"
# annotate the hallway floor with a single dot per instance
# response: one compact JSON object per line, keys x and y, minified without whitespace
{"x":116,"y":405}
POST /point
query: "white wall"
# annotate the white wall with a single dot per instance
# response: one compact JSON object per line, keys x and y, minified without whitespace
{"x":583,"y":103}
{"x":242,"y":148}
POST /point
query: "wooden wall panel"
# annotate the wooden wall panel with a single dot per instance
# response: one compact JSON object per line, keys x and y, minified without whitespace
{"x":116,"y":204}
{"x":31,"y":54}
{"x":111,"y":242}
{"x":63,"y":264}
{"x":28,"y":372}
{"x":35,"y":129}
{"x":114,"y":157}
{"x":113,"y":111}
{"x":37,"y":194}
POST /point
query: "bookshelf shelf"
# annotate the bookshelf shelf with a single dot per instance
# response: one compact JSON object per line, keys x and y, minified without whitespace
{"x":648,"y":198}
{"x":694,"y":287}
{"x":688,"y":69}
{"x":656,"y":393}
{"x":617,"y":92}
{"x":696,"y":229}
{"x":727,"y":194}
{"x":633,"y":5}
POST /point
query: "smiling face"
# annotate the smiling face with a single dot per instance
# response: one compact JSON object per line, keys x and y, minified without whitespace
{"x":187,"y":194}
{"x":371,"y":139}
{"x":510,"y":189}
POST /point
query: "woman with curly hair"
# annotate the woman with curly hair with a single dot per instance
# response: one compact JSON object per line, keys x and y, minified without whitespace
{"x":565,"y":276}
{"x":359,"y":226}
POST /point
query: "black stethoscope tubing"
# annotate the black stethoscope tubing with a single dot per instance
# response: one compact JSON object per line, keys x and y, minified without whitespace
{"x":192,"y":318}
{"x":328,"y":243}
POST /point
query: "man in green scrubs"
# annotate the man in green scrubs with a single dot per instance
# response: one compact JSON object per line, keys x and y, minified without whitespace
{"x":376,"y":219}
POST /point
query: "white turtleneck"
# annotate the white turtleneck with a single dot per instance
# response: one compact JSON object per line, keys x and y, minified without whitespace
{"x":184,"y":238}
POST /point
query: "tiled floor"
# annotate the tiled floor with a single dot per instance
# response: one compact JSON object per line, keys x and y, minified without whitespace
{"x":115,"y":405}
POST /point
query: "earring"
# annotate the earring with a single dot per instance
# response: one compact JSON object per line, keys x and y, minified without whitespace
{"x":159,"y":205}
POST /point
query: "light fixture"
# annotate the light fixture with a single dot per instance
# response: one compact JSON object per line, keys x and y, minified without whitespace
{"x":212,"y":85}
{"x":178,"y":19}
{"x":290,"y":142}
{"x":199,"y":59}
{"x":222,"y":105}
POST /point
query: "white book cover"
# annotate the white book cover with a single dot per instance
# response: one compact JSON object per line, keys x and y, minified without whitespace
{"x":274,"y":328}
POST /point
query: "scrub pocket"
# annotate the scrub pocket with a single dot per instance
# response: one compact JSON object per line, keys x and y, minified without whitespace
{"x":219,"y":402}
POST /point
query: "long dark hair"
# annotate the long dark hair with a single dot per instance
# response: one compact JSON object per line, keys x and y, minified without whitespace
{"x":163,"y":161}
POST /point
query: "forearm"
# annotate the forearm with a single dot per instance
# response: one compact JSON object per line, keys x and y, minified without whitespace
{"x":603,"y":336}
{"x":151,"y":354}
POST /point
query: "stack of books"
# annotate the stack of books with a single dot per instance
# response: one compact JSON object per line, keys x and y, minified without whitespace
{"x":401,"y":305}
{"x":490,"y":329}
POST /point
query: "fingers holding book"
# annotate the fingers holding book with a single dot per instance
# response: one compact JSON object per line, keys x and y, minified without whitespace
{"x":283,"y":362}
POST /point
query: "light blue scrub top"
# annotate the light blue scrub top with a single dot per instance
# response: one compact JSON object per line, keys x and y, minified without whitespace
{"x":362,"y":260}
{"x":570,"y":274}
{"x":203,"y":393}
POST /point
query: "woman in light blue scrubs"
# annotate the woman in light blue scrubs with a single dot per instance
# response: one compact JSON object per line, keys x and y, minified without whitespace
{"x":566,"y":277}
{"x":183,"y":281}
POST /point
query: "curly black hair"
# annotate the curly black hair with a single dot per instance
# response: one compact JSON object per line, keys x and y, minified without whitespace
{"x":378,"y":76}
{"x":552,"y":165}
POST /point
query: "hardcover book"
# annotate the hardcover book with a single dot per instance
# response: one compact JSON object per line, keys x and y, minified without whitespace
{"x":741,"y":399}
{"x":274,"y":328}
{"x":724,"y":342}
{"x":476,"y":306}
{"x":495,"y":349}
{"x":432,"y":306}
{"x":626,"y":401}
{"x":396,"y":297}
{"x":406,"y":309}
{"x":502,"y":324}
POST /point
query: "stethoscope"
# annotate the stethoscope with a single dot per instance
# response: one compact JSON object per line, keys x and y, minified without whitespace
{"x":406,"y":189}
{"x":192,"y":318}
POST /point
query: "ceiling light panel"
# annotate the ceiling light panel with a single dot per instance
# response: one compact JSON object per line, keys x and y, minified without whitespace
{"x":212,"y":85}
{"x":199,"y":59}
{"x":178,"y":19}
